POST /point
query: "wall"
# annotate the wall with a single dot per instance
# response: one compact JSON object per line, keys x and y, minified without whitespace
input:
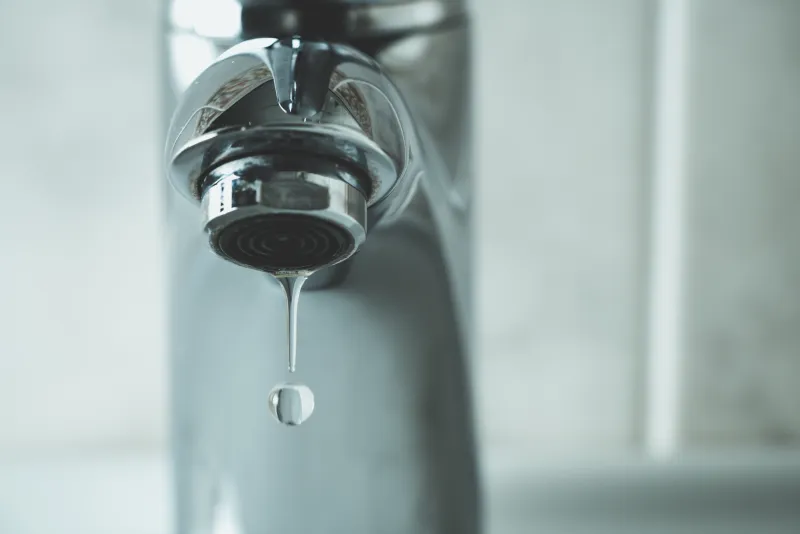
{"x":81,"y":320}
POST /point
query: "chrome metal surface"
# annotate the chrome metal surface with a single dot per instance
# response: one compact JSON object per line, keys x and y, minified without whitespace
{"x":384,"y":338}
{"x":298,"y":105}
{"x":286,"y":196}
{"x":296,"y":97}
{"x":236,"y":20}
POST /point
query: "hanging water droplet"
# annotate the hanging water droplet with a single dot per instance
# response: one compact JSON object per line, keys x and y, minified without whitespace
{"x":291,"y":404}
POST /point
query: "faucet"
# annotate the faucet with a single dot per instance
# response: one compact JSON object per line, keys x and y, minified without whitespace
{"x":327,"y":139}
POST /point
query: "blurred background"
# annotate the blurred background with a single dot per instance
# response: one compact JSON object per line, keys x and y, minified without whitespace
{"x":638,"y":175}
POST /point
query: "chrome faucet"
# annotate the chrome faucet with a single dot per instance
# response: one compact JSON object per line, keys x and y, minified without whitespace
{"x":327,"y":137}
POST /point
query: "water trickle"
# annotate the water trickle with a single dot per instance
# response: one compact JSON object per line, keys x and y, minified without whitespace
{"x":291,"y":404}
{"x":292,"y":286}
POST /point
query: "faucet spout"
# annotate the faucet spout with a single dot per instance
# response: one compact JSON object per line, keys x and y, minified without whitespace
{"x":304,"y":140}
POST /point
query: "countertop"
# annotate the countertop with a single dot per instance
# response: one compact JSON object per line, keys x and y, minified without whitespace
{"x":129,"y":493}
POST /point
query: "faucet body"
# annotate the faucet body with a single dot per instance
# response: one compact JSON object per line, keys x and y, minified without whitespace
{"x":384,"y":335}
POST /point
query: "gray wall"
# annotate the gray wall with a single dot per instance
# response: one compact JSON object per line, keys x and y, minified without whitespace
{"x":742,"y":362}
{"x":563,"y":142}
{"x":81,"y":320}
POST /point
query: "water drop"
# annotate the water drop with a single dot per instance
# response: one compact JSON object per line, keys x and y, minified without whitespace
{"x":291,"y":404}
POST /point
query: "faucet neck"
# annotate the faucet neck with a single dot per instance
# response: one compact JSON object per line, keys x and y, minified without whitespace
{"x":231,"y":21}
